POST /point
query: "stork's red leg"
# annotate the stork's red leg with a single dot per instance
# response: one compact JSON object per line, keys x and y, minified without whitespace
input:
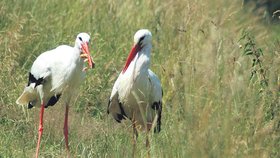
{"x":66,"y":129}
{"x":40,"y":130}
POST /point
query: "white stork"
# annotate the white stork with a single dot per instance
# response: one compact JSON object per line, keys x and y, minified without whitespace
{"x":54,"y":73}
{"x":137,"y":93}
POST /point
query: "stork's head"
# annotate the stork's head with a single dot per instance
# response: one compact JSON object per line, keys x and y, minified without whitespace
{"x":142,"y":38}
{"x":82,"y":42}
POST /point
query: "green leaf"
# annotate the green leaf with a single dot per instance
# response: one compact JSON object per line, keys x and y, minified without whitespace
{"x":248,"y":52}
{"x":260,"y":51}
{"x":247,"y":45}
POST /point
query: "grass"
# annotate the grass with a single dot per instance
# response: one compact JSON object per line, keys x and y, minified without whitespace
{"x":211,"y":107}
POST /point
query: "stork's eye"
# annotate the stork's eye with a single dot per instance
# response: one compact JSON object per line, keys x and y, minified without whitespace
{"x":141,"y":39}
{"x":80,"y":38}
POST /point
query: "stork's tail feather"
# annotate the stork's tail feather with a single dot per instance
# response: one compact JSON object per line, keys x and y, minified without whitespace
{"x":27,"y":96}
{"x":158,"y":107}
{"x":158,"y":125}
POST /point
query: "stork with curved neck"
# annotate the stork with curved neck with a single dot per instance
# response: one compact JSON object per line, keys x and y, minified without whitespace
{"x":54,"y":73}
{"x":137,"y":93}
{"x":138,"y":61}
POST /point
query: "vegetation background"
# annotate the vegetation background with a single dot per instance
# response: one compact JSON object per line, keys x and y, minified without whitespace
{"x":216,"y":103}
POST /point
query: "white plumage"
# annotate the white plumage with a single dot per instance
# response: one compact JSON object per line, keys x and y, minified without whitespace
{"x":63,"y":72}
{"x":137,"y":93}
{"x":54,"y":73}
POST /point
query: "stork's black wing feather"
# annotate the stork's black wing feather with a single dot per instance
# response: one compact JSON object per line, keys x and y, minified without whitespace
{"x":32,"y":79}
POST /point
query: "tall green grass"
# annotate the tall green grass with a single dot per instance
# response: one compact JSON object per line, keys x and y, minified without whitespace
{"x":211,"y":108}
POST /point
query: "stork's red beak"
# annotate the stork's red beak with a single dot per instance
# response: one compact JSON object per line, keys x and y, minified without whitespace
{"x":131,"y":56}
{"x":86,"y":51}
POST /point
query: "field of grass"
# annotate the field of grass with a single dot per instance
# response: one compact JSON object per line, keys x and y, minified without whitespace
{"x":211,"y":107}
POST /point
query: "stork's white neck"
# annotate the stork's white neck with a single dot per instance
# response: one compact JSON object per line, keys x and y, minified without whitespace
{"x":76,"y":56}
{"x":77,"y":52}
{"x":77,"y":49}
{"x":142,"y":60}
{"x":140,"y":64}
{"x":137,"y":70}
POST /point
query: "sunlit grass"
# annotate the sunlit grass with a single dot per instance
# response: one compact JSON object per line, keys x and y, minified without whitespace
{"x":211,"y":108}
